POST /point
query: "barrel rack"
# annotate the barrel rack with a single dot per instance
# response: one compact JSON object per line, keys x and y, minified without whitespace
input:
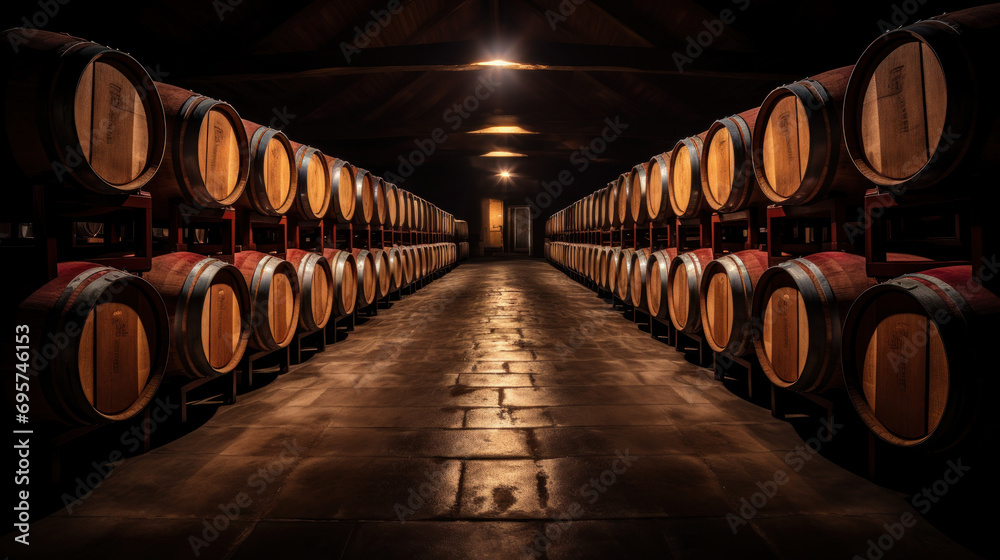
{"x":206,"y":231}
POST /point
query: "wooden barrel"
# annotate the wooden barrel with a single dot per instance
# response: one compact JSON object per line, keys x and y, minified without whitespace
{"x":315,"y":287}
{"x":381,"y":212}
{"x":407,"y":206}
{"x":409,"y":264}
{"x":78,"y":113}
{"x":392,"y":205}
{"x":637,"y":291}
{"x":342,"y":195}
{"x":272,"y":185}
{"x":312,"y":198}
{"x":798,"y":147}
{"x":364,"y":197}
{"x":406,"y":264}
{"x":274,"y":299}
{"x":99,"y":344}
{"x":582,"y":258}
{"x":602,"y":257}
{"x":915,"y":360}
{"x":728,"y":182}
{"x":420,"y":213}
{"x":395,"y":259}
{"x":684,"y":280}
{"x":613,"y":260}
{"x":657,"y":272}
{"x":207,"y":159}
{"x":436,"y":257}
{"x":401,"y":209}
{"x":383,"y":273}
{"x":416,"y":218}
{"x":209,"y":306}
{"x":592,"y":211}
{"x":585,"y":259}
{"x":637,"y":193}
{"x":623,"y":285}
{"x":918,"y":106}
{"x":799,"y":307}
{"x":413,"y":260}
{"x":684,"y":163}
{"x":724,"y":300}
{"x":345,"y":281}
{"x":658,"y":188}
{"x":624,"y":203}
{"x":461,"y":229}
{"x":594,"y":261}
{"x":613,"y":188}
{"x":601,"y":208}
{"x":367,"y":277}
{"x":426,"y":259}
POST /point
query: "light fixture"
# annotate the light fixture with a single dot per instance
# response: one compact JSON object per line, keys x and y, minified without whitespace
{"x":502,"y":130}
{"x":501,"y":63}
{"x":505,"y":174}
{"x":503,"y":154}
{"x":508,"y":64}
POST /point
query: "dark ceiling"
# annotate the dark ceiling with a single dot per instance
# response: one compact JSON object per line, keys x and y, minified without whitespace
{"x":288,"y":63}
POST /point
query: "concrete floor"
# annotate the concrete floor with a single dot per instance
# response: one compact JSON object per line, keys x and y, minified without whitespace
{"x":502,"y":412}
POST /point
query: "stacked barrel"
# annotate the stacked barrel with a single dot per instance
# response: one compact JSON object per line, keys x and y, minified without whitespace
{"x":90,"y":128}
{"x":910,"y":119}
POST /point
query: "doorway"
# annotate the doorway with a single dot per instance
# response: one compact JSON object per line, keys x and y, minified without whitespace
{"x":519,"y":229}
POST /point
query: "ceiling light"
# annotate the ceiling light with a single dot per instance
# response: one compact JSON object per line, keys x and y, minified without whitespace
{"x":502,"y":130}
{"x":501,"y":63}
{"x":503,"y":154}
{"x":505,"y":174}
